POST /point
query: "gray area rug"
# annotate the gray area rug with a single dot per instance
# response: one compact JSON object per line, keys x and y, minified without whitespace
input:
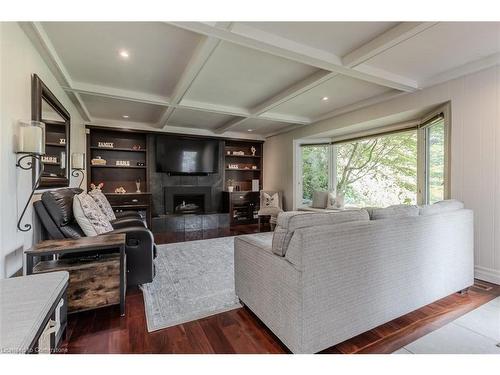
{"x":193,"y":280}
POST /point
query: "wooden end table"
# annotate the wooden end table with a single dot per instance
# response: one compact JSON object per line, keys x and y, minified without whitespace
{"x":84,"y":244}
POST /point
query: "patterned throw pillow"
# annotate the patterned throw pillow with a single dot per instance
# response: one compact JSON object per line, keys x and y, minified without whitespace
{"x":271,"y":201}
{"x":89,"y":216}
{"x":103,"y":203}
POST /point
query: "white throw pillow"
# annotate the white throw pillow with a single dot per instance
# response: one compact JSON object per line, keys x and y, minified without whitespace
{"x":396,"y":211}
{"x":320,"y":199}
{"x":441,"y":207}
{"x":331,"y":203}
{"x":271,"y":201}
{"x":89,"y":216}
{"x":103,"y":203}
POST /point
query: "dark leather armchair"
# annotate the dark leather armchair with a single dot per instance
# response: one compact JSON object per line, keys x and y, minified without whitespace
{"x":55,"y":210}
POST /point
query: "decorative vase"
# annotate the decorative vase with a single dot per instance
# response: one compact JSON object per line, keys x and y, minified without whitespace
{"x":138,"y":186}
{"x":230,"y":189}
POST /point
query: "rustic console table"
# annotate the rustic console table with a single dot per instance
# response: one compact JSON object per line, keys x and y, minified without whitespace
{"x":105,"y":243}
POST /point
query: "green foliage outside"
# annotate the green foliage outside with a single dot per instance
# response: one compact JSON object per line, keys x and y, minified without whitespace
{"x":314,"y":171}
{"x":378,"y":171}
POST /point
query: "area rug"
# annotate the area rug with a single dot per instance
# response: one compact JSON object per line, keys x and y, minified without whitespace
{"x":193,"y":280}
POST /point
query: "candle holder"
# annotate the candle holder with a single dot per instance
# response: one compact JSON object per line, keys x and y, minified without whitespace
{"x":26,"y":162}
{"x":78,"y":166}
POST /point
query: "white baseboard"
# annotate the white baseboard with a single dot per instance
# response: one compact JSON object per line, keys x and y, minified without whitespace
{"x":487,"y":274}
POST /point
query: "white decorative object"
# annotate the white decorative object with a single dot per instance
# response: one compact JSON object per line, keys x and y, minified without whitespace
{"x":78,"y":160}
{"x":233,"y":166}
{"x":254,"y":167}
{"x":239,"y":153}
{"x":123,"y":163}
{"x":98,"y":161}
{"x":255,"y":185}
{"x":49,"y":159}
{"x":138,"y":185}
{"x":31,"y":138}
{"x":230,"y":189}
{"x":106,"y":144}
{"x":253,"y":149}
{"x":62,"y":141}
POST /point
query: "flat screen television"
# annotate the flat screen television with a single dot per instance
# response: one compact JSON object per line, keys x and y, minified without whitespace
{"x":186,"y":156}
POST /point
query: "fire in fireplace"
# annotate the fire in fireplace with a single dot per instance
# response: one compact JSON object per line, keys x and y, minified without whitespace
{"x":189,"y":203}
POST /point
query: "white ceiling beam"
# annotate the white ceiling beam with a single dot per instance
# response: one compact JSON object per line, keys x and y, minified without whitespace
{"x":200,"y":57}
{"x":291,"y":92}
{"x":385,"y":41}
{"x":115,"y":93}
{"x":252,"y":38}
{"x":41,"y":41}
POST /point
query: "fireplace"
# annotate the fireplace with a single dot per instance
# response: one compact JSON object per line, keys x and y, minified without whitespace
{"x":189,"y":203}
{"x":188,"y":199}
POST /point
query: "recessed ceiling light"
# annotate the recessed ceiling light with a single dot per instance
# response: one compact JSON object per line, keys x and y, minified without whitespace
{"x":324,"y":98}
{"x":124,"y":54}
{"x":250,"y":130}
{"x":125,"y":116}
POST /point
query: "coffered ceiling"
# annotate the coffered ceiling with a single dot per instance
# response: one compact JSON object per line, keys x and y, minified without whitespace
{"x":251,"y":78}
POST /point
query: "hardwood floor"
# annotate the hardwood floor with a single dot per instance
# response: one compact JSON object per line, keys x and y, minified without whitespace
{"x":240,"y":331}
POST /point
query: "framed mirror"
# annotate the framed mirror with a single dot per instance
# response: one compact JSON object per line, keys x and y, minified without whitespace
{"x":45,"y":107}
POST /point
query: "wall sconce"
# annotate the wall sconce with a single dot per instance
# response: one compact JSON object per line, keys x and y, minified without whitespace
{"x":31,"y":145}
{"x":78,"y":166}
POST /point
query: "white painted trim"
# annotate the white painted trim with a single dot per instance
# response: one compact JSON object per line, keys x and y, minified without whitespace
{"x":385,"y":41}
{"x":37,"y":35}
{"x":298,"y":88}
{"x":463,"y":70}
{"x":252,"y":38}
{"x":487,"y":274}
{"x":115,"y":93}
{"x":195,"y":65}
{"x":354,"y":107}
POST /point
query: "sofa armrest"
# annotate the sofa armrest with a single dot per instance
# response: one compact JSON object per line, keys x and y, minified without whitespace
{"x":140,"y":252}
{"x":127,"y":222}
{"x":128,"y":214}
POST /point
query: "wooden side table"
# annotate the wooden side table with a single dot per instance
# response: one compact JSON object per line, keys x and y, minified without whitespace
{"x":106,"y":242}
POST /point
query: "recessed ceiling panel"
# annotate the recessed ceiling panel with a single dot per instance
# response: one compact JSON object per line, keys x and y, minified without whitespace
{"x":338,"y":38}
{"x":92,"y":53}
{"x":262,"y":127}
{"x":242,"y":77}
{"x":197,"y":119}
{"x":337,"y":92}
{"x":116,"y":109}
{"x":444,"y":46}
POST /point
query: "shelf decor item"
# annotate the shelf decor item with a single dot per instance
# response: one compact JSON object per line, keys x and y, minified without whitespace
{"x":230,"y":185}
{"x":120,"y":190}
{"x":239,"y":153}
{"x":141,"y":164}
{"x":233,"y":166}
{"x":122,"y":163}
{"x":62,"y":141}
{"x":136,"y":147}
{"x":49,"y":159}
{"x":78,"y":166}
{"x":253,"y":149}
{"x":106,"y":144}
{"x":138,"y":185}
{"x":98,"y":161}
{"x":31,"y":145}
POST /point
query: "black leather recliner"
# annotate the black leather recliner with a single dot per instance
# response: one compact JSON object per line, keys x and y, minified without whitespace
{"x":55,"y":210}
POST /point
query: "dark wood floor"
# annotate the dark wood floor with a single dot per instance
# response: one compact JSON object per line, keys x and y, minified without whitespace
{"x":240,"y":331}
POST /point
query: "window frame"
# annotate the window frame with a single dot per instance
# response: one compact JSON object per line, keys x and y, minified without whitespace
{"x":420,"y":126}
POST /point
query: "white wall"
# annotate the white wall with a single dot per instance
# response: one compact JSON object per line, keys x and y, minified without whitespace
{"x":475,"y":152}
{"x":18,"y":60}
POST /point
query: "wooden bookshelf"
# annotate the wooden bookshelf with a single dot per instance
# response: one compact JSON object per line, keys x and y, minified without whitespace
{"x":127,"y":146}
{"x":243,"y":203}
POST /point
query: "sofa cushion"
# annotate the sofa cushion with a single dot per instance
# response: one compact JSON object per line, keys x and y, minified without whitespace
{"x":290,"y":221}
{"x":103,"y":203}
{"x":441,"y":207}
{"x":89,"y":216}
{"x":393,"y":212}
{"x":320,"y":199}
{"x":59,"y":204}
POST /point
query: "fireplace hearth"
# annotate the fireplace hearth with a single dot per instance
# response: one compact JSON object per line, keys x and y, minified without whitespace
{"x":189,"y":203}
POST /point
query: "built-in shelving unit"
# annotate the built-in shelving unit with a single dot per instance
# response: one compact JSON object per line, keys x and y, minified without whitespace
{"x":242,"y":203}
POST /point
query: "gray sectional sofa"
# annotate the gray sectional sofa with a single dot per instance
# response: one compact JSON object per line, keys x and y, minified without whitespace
{"x":322,"y":278}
